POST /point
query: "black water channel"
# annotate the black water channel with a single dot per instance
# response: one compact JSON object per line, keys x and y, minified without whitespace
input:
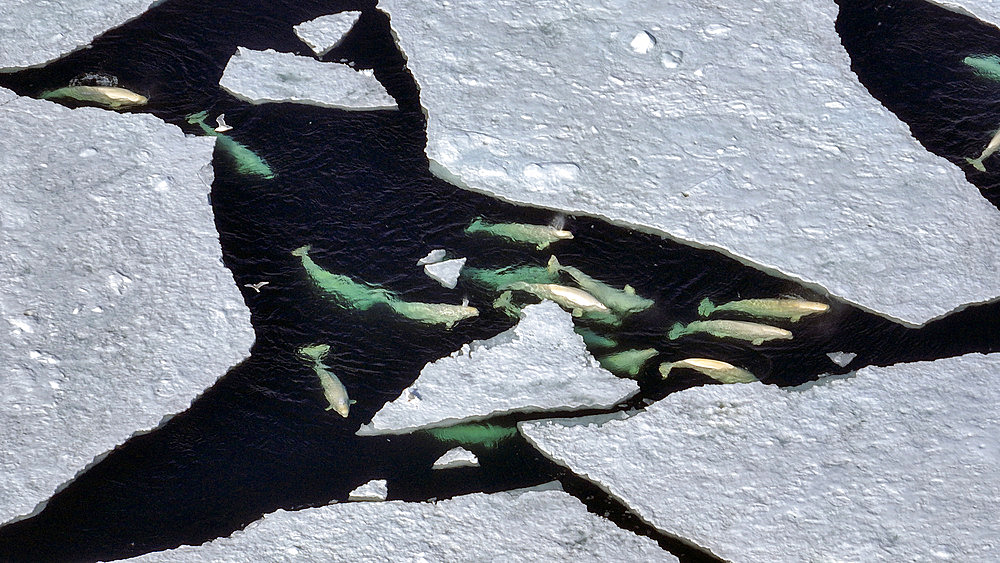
{"x":355,"y":186}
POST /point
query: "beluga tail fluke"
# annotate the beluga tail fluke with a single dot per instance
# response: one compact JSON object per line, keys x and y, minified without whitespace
{"x":991,"y":148}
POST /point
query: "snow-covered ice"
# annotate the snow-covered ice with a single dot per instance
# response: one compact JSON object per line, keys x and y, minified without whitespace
{"x":324,"y":33}
{"x":33,"y":32}
{"x":270,"y":76}
{"x":985,"y":10}
{"x":116,"y":309}
{"x":456,"y":457}
{"x":735,"y":126}
{"x":376,"y":489}
{"x":897,"y":463}
{"x":446,"y":273}
{"x":538,"y":364}
{"x":526,"y":525}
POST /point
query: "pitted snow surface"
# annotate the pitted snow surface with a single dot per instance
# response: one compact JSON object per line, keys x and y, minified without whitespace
{"x":323,"y":33}
{"x":539,"y":364}
{"x":33,"y":32}
{"x":116,"y":310}
{"x":270,"y":76}
{"x":898,"y":463}
{"x":510,"y":526}
{"x":739,"y":127}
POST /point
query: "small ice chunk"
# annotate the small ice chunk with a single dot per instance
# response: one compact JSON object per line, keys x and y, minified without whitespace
{"x":432,"y":257}
{"x":270,"y":76}
{"x":446,"y":273}
{"x":895,"y":460}
{"x":643,"y":42}
{"x":841,"y":358}
{"x":376,"y":489}
{"x":539,"y":364}
{"x":324,"y":33}
{"x":457,"y":457}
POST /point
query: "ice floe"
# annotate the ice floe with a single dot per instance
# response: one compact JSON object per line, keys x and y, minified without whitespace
{"x":270,"y":76}
{"x":116,"y":309}
{"x":324,"y":33}
{"x":446,"y":273}
{"x":510,"y":526}
{"x":372,"y":490}
{"x":841,"y":358}
{"x":32,"y":32}
{"x":537,"y":365}
{"x":738,"y":127}
{"x":456,"y":457}
{"x":433,"y":257}
{"x":898,"y":463}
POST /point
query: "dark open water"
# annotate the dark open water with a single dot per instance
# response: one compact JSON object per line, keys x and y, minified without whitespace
{"x":356,"y":186}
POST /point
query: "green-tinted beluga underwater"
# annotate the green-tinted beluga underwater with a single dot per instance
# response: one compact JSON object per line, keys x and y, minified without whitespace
{"x":333,"y":388}
{"x":539,"y":235}
{"x":473,"y":433}
{"x":987,"y":66}
{"x":247,"y":161}
{"x":627,"y":363}
{"x":350,"y":294}
{"x":621,"y":301}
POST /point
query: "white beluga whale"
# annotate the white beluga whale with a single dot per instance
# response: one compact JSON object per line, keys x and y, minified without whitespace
{"x":622,"y":301}
{"x":575,"y":300}
{"x":112,"y":97}
{"x":720,"y":371}
{"x":222,"y":126}
{"x":539,"y":235}
{"x":754,"y":333}
{"x":991,"y":148}
{"x":333,"y":389}
{"x":789,"y":309}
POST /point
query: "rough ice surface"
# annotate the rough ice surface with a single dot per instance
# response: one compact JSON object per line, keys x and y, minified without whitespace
{"x":985,"y":10}
{"x":116,"y":310}
{"x":538,"y":364}
{"x":456,"y":457}
{"x":270,"y":76}
{"x":741,"y":128}
{"x":372,"y":490}
{"x":446,"y":273}
{"x":323,"y":33}
{"x":509,"y":526}
{"x":897,"y":463}
{"x":33,"y":32}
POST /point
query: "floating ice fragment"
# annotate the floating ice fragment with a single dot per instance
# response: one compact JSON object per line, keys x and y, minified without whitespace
{"x":432,"y":257}
{"x":457,"y":457}
{"x":374,"y":490}
{"x":842,"y":358}
{"x":324,"y":33}
{"x":446,"y":273}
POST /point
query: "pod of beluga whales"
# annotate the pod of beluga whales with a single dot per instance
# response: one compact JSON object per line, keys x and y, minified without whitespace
{"x":585,"y":297}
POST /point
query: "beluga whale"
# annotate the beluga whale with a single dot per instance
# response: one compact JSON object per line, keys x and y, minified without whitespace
{"x":787,"y":309}
{"x":720,"y":371}
{"x":753,"y":333}
{"x":333,"y":389}
{"x":577,"y":301}
{"x":112,"y":97}
{"x":539,"y":235}
{"x":991,"y":148}
{"x":247,"y":161}
{"x":622,"y":301}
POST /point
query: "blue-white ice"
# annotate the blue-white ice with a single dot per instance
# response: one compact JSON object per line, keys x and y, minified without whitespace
{"x":326,"y":32}
{"x":115,"y":309}
{"x":737,"y":125}
{"x":270,"y":76}
{"x":897,"y":463}
{"x":540,"y":364}
{"x":518,"y":526}
{"x":33,"y":32}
